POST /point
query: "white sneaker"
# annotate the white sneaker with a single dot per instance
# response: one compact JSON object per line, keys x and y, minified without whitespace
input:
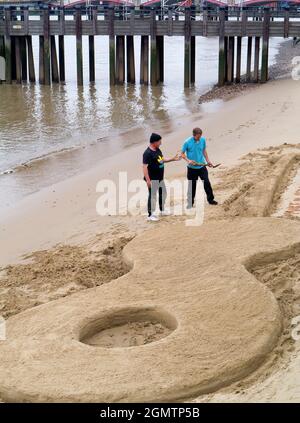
{"x":152,"y":218}
{"x":165,"y":213}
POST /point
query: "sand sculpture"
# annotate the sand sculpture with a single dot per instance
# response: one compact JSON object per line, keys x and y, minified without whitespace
{"x":214,"y":322}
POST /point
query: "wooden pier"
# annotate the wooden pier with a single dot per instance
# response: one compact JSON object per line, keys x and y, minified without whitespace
{"x":121,"y":25}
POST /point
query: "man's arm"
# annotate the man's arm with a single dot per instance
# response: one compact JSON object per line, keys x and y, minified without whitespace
{"x":146,"y":175}
{"x":206,"y":158}
{"x":190,"y":162}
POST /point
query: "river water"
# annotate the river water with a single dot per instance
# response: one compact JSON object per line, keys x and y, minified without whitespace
{"x":50,"y":133}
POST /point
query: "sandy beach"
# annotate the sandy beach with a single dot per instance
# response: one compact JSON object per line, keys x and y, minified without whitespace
{"x":59,"y":258}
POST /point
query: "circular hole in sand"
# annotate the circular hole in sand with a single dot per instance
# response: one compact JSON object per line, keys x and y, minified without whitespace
{"x":128,"y":327}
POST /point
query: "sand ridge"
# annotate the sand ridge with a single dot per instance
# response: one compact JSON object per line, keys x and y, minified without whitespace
{"x":50,"y":274}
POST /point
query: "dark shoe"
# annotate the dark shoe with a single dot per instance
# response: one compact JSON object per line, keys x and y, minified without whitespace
{"x":213,"y":203}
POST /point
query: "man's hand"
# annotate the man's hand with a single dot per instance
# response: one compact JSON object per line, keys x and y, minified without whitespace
{"x":146,"y":175}
{"x":209,"y":164}
{"x":177,"y":157}
{"x":173,"y":159}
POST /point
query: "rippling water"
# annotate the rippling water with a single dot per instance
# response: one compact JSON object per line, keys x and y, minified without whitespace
{"x":37,"y":121}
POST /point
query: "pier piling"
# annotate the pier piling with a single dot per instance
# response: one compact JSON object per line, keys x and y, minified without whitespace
{"x":41,"y":60}
{"x":230,"y":60}
{"x":61,"y":58}
{"x":23,"y":51}
{"x":30,"y":59}
{"x":2,"y":46}
{"x":187,"y":48}
{"x":160,"y":58}
{"x":153,"y":49}
{"x":238,"y":59}
{"x":8,"y":48}
{"x":92,"y":58}
{"x":144,"y":64}
{"x":193,"y":60}
{"x":120,"y":59}
{"x":112,"y":47}
{"x":61,"y":46}
{"x":79,"y":63}
{"x":256,"y":59}
{"x":222,"y":49}
{"x":46,"y":48}
{"x":249,"y":57}
{"x":130,"y":59}
{"x":18,"y":60}
{"x":265,"y":46}
{"x":54,"y":63}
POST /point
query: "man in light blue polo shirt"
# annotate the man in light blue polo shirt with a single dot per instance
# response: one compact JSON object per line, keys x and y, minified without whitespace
{"x":194,"y":153}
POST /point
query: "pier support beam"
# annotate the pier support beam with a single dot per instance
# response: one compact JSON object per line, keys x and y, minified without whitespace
{"x":160,"y":58}
{"x":46,"y":48}
{"x":8,"y":59}
{"x":13,"y":58}
{"x":78,"y":30}
{"x":130,"y":59}
{"x":120,"y":59}
{"x":54,"y":63}
{"x":153,"y":53}
{"x":230,"y":59}
{"x":249,"y":57}
{"x":187,"y":49}
{"x":222,"y":50}
{"x":8,"y":48}
{"x":61,"y":58}
{"x":92,"y":58}
{"x":61,"y":46}
{"x":18,"y":61}
{"x":112,"y":47}
{"x":2,"y":46}
{"x":193,"y":60}
{"x":30,"y":59}
{"x":23,"y":50}
{"x":144,"y":65}
{"x":256,"y":59}
{"x":41,"y":60}
{"x":265,"y":46}
{"x":238,"y":59}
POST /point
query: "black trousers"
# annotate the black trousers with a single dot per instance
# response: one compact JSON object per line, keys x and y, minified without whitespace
{"x":156,"y":186}
{"x":193,"y":175}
